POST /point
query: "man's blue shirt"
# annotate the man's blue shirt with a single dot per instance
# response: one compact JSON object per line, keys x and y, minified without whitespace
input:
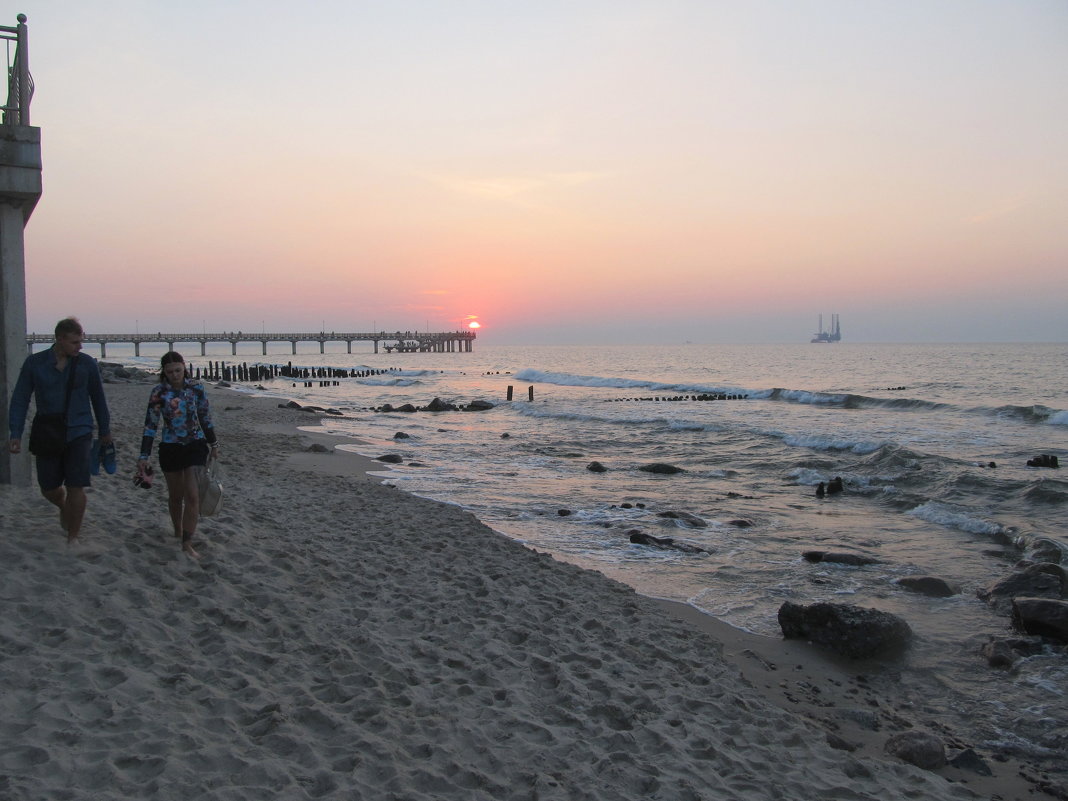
{"x":40,"y":378}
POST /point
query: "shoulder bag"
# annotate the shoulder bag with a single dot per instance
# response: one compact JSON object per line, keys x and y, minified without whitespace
{"x":48,"y":432}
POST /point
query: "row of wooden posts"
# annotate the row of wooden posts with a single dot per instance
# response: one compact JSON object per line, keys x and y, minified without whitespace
{"x":221,"y":371}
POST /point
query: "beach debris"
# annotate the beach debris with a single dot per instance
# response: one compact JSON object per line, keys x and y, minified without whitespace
{"x":641,"y":538}
{"x":660,"y":467}
{"x":687,"y":519}
{"x":390,"y":458}
{"x":852,"y":631}
{"x":918,"y":748}
{"x":931,"y":586}
{"x":1045,"y":460}
{"x":596,"y":467}
{"x":839,"y":557}
{"x":1046,"y":617}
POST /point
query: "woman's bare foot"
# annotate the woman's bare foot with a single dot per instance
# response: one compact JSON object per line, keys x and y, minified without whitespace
{"x":187,"y":545}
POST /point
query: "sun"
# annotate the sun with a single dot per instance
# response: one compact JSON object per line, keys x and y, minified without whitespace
{"x":474,"y":324}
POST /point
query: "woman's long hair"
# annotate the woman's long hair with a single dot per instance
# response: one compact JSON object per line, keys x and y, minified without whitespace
{"x":170,"y":357}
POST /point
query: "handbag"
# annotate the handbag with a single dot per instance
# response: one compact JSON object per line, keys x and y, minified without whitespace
{"x":48,"y":432}
{"x":211,"y":490}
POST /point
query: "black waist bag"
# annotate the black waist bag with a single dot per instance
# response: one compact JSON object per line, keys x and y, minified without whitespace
{"x":48,"y":432}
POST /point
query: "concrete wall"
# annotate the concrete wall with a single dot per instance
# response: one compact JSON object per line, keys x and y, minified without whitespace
{"x":20,"y":188}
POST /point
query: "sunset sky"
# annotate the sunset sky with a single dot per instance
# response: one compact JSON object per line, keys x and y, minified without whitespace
{"x":561,"y":172}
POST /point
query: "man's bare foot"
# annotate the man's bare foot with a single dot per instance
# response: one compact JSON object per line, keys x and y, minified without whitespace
{"x":72,"y":539}
{"x":190,"y":551}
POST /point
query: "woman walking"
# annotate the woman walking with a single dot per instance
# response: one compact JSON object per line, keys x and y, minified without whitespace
{"x":186,"y":442}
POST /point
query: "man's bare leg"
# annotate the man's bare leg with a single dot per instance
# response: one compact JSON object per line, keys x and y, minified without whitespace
{"x":58,"y":498}
{"x":75,"y":506}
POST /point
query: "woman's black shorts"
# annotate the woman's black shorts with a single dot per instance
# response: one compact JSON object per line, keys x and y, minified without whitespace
{"x":175,"y":457}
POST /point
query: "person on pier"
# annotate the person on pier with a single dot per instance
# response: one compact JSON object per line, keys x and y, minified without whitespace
{"x":186,"y":443}
{"x":68,"y":388}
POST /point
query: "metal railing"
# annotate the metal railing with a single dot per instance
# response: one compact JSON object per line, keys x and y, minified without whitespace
{"x":16,"y":111}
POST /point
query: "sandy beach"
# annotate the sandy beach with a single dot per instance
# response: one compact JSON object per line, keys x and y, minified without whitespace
{"x":342,"y":639}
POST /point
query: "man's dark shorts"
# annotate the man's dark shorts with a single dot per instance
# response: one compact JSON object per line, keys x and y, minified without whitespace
{"x":175,"y":457}
{"x":70,"y":468}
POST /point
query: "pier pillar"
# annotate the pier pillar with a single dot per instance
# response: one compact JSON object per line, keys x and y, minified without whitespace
{"x":20,"y":189}
{"x":170,"y":346}
{"x":264,"y":347}
{"x":293,"y":342}
{"x":103,"y":350}
{"x":348,"y":343}
{"x":322,"y":346}
{"x":137,"y":348}
{"x":203,"y":347}
{"x":233,"y":347}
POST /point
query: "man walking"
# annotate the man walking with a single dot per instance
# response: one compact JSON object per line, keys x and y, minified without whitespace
{"x":62,"y":380}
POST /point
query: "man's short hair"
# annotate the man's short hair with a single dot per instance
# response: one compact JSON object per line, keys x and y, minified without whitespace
{"x":68,"y":325}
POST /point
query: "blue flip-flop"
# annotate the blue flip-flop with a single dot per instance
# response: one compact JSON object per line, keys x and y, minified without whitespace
{"x":94,"y":458}
{"x":107,"y":458}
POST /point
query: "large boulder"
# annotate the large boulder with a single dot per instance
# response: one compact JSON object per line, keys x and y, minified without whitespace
{"x":1004,"y":652}
{"x":931,"y":586}
{"x":478,"y":406}
{"x":918,"y":748}
{"x":1042,"y":580}
{"x":1047,"y":617}
{"x":596,"y":467}
{"x":852,"y":631}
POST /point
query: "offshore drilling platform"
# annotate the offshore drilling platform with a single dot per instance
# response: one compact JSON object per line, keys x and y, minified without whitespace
{"x":834,"y":335}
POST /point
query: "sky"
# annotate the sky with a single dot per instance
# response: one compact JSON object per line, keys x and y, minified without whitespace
{"x":561,"y":171}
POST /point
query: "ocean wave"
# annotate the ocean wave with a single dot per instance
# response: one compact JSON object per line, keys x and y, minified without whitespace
{"x":607,"y":382}
{"x":831,"y":442}
{"x":388,"y":382}
{"x":943,"y":515}
{"x":557,"y":413}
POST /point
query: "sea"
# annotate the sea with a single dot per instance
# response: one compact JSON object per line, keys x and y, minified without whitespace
{"x":931,"y":442}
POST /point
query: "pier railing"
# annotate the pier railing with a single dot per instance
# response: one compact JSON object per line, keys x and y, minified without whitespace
{"x":16,"y":111}
{"x":392,"y":342}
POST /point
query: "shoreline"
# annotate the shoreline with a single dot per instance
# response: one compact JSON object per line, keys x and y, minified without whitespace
{"x":343,"y":636}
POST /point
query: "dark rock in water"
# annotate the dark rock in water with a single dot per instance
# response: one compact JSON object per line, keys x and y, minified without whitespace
{"x":687,"y":519}
{"x":626,"y":506}
{"x":834,"y":485}
{"x":929,"y":585}
{"x":1045,"y":460}
{"x":563,"y":512}
{"x":334,"y":412}
{"x":407,"y":407}
{"x":820,"y":490}
{"x":1046,"y":617}
{"x":506,"y":435}
{"x":1003,"y":652}
{"x":391,"y":458}
{"x":918,"y":748}
{"x":742,"y":523}
{"x":839,"y":557}
{"x":970,"y":761}
{"x":438,"y":405}
{"x":385,"y":407}
{"x":659,"y":467}
{"x":402,"y":435}
{"x":851,"y":631}
{"x":478,"y":406}
{"x":1043,"y":580}
{"x":317,"y":448}
{"x":416,"y":464}
{"x":1045,"y":550}
{"x":640,"y":538}
{"x":596,"y":467}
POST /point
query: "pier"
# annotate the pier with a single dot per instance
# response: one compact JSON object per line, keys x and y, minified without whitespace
{"x":392,"y":342}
